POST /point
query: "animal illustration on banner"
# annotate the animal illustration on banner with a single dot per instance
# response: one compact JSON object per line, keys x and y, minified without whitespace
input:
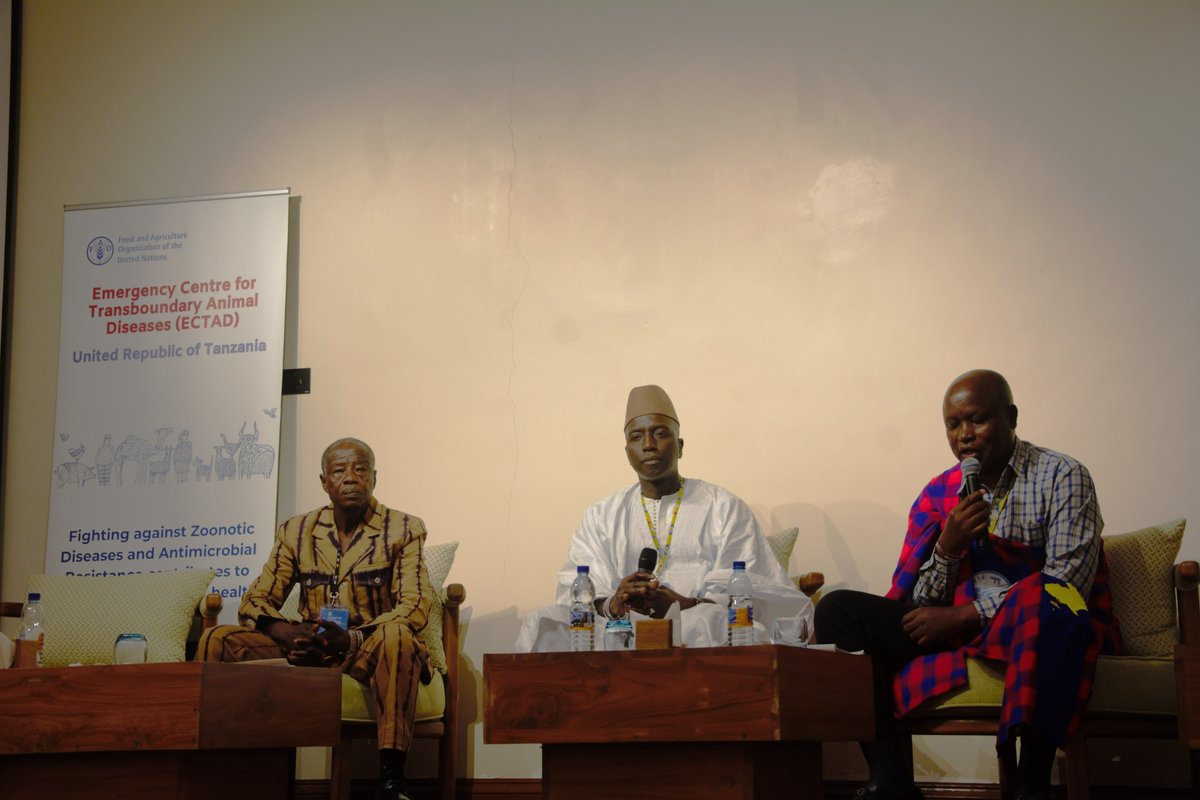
{"x":204,"y":471}
{"x":183,"y":456}
{"x":256,"y":459}
{"x":156,"y":458}
{"x":136,"y":449}
{"x":73,"y":473}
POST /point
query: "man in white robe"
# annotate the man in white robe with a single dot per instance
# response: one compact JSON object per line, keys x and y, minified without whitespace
{"x":698,"y":530}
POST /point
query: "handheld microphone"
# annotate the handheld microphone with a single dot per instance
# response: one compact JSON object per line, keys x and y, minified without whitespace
{"x":970,"y":476}
{"x":648,"y":560}
{"x":970,"y":472}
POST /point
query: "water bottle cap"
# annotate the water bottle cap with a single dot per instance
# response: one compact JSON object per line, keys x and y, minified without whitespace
{"x":581,"y":568}
{"x":739,"y":565}
{"x":35,"y":597}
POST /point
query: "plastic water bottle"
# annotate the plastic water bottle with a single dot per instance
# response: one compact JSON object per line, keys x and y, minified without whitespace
{"x":741,"y":607}
{"x":33,"y":624}
{"x":583,"y":611}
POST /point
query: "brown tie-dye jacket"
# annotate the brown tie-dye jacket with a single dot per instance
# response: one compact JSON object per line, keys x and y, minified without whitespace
{"x":382,"y":576}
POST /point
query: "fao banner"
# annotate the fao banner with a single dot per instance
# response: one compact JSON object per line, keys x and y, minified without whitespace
{"x":169,"y":376}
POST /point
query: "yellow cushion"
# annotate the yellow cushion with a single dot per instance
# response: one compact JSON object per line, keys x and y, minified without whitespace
{"x":1145,"y":684}
{"x":358,"y":706}
{"x":84,"y":614}
{"x":1124,"y":684}
{"x":984,"y":689}
{"x":1141,"y":565}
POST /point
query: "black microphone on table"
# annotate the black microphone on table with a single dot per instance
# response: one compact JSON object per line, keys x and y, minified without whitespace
{"x":970,"y":477}
{"x":648,"y":560}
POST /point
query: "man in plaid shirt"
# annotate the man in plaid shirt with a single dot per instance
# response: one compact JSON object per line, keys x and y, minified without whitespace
{"x":1000,"y":573}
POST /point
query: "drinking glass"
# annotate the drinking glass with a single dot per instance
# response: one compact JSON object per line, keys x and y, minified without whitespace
{"x":791,"y":631}
{"x":130,"y":648}
{"x":618,"y":634}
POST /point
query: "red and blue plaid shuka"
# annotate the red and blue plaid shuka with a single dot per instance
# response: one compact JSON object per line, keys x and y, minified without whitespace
{"x":1049,"y":647}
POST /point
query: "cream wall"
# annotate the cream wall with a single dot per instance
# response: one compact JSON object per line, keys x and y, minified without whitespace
{"x":803,"y":219}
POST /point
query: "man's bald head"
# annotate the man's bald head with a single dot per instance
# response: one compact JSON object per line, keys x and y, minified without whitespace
{"x":985,"y":380}
{"x":981,"y":420}
{"x":343,"y":442}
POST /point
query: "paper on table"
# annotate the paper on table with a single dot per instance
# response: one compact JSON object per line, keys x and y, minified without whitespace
{"x":8,"y":651}
{"x":830,"y":648}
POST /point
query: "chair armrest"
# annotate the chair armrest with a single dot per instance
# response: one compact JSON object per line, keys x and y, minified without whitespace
{"x":453,"y":596}
{"x":1187,"y":575}
{"x":810,"y":583}
{"x":1187,"y":579}
{"x":209,"y":609}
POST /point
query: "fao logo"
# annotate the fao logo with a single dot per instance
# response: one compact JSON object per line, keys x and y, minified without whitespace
{"x":100,"y":250}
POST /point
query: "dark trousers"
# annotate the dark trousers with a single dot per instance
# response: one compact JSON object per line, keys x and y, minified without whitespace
{"x":861,"y":621}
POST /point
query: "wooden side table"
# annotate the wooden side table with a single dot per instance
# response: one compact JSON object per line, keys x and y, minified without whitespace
{"x":183,"y":731}
{"x":729,"y":722}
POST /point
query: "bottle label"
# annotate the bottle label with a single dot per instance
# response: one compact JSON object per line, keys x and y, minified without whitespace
{"x":741,"y":617}
{"x":581,"y":620}
{"x":41,"y":655}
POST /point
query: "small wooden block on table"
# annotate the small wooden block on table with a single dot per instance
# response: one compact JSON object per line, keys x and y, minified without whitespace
{"x":730,"y":722}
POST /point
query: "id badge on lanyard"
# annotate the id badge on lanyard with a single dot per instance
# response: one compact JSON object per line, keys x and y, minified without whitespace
{"x":335,"y":610}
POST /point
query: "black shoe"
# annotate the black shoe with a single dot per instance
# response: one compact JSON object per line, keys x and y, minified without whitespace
{"x":392,"y":789}
{"x":870,"y":791}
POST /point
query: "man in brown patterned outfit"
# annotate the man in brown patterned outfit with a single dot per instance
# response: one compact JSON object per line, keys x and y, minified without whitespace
{"x":371,"y":558}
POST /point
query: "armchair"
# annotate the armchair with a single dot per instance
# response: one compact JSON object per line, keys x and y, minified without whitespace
{"x":1152,"y":690}
{"x":437,"y":705}
{"x":437,"y":710}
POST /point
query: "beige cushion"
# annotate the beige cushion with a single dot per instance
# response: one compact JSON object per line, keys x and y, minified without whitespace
{"x":781,"y":545}
{"x":1141,"y":565}
{"x":84,"y":615}
{"x":438,"y":560}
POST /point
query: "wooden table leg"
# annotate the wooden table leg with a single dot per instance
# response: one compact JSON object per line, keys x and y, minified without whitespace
{"x":683,"y":771}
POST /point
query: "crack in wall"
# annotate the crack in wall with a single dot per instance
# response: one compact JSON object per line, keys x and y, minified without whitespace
{"x":512,"y":330}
